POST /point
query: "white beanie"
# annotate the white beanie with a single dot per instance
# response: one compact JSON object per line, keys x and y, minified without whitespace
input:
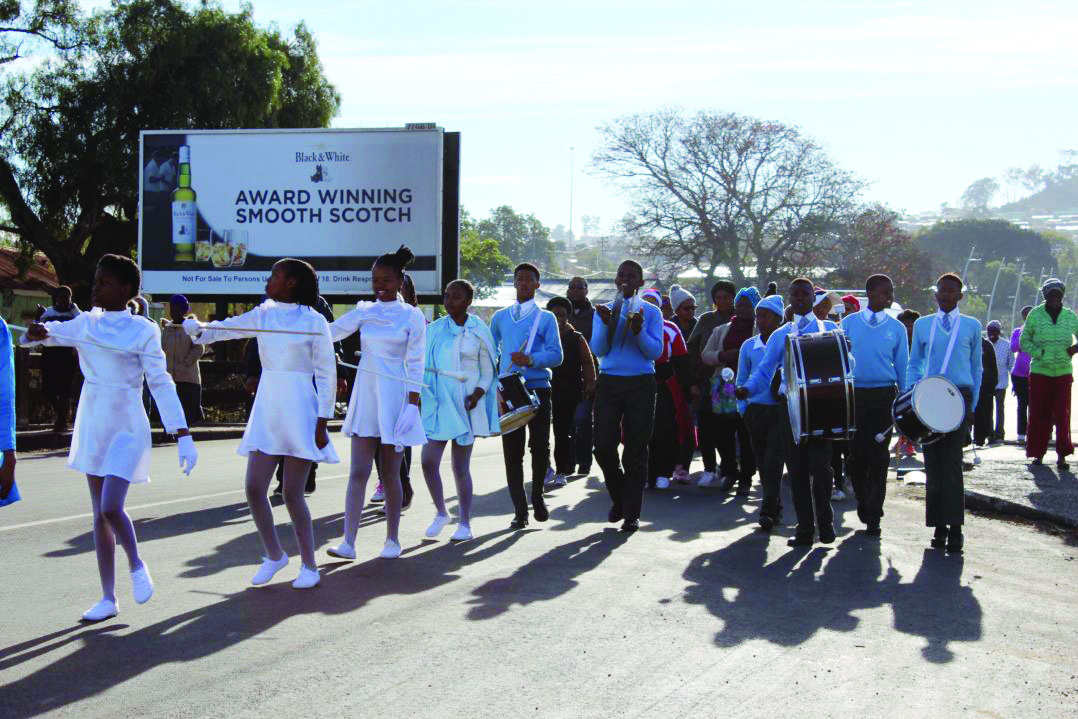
{"x":679,"y":295}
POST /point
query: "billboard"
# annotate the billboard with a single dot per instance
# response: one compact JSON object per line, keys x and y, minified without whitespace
{"x":219,"y":207}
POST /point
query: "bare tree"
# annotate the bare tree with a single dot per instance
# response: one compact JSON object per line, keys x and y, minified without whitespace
{"x":725,"y":191}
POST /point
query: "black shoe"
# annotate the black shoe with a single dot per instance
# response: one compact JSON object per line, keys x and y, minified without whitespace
{"x":584,"y":469}
{"x":766,"y":522}
{"x":873,"y":530}
{"x":1037,"y":461}
{"x":827,"y":535}
{"x":1061,"y":465}
{"x":727,"y":484}
{"x":539,"y":509}
{"x":800,"y":540}
{"x":519,"y":522}
{"x":615,"y":515}
{"x":955,"y":539}
{"x":939,"y":539}
{"x":744,"y":489}
{"x":630,"y":526}
{"x":309,"y":489}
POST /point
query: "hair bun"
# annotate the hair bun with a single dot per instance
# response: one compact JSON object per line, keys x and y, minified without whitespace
{"x":403,"y":256}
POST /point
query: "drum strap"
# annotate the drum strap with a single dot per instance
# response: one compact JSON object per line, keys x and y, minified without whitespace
{"x":950,"y":346}
{"x":527,"y":348}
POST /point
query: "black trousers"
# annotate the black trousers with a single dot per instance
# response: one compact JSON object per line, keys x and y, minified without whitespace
{"x":840,"y":458}
{"x":869,"y":459}
{"x":538,"y":441}
{"x":1021,"y":391}
{"x":624,"y":411}
{"x":563,"y":410}
{"x":663,"y":450}
{"x":583,"y":437}
{"x":945,"y":499}
{"x":707,"y":433}
{"x":765,"y":431}
{"x":58,"y":368}
{"x":809,"y":464}
{"x":982,"y":419}
{"x":731,"y":438}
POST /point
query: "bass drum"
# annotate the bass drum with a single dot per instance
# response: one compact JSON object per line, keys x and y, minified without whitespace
{"x":819,"y":386}
{"x":518,"y":403}
{"x":928,"y":410}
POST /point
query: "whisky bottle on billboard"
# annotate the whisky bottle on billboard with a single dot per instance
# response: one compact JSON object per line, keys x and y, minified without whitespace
{"x":184,"y":211}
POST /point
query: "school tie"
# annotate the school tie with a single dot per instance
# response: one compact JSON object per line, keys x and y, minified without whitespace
{"x":946,"y":322}
{"x":873,"y":322}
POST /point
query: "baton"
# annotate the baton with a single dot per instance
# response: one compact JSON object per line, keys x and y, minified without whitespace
{"x":381,"y":374}
{"x":102,"y":345}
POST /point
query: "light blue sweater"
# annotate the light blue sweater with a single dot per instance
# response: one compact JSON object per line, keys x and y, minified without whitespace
{"x":7,"y":389}
{"x":965,"y":369}
{"x":510,"y":335}
{"x":775,"y":356}
{"x":748,"y":359}
{"x":630,"y":354}
{"x":880,"y":353}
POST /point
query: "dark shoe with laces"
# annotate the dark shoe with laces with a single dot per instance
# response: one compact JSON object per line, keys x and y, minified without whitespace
{"x":766,"y":522}
{"x":827,"y":535}
{"x":800,"y":540}
{"x":955,"y":540}
{"x":519,"y":522}
{"x":939,"y":539}
{"x":727,"y":484}
{"x":744,"y":489}
{"x":615,"y":515}
{"x":540,"y":510}
{"x":1061,"y":464}
{"x":873,"y":530}
{"x":630,"y":526}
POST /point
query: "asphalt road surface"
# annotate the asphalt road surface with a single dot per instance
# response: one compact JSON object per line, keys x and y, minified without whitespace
{"x":696,"y":615}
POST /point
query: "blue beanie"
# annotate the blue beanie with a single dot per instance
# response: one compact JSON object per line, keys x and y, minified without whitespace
{"x":751,"y":293}
{"x":774,"y":304}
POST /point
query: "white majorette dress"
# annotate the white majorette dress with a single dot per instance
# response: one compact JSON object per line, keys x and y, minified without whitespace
{"x":112,"y":434}
{"x":393,"y":340}
{"x":298,"y":383}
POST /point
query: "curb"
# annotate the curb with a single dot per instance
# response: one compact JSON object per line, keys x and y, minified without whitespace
{"x":988,"y":502}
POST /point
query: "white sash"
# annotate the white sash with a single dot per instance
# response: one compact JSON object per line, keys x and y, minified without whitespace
{"x":950,"y":345}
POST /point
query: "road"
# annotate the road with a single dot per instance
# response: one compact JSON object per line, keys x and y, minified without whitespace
{"x":696,"y":615}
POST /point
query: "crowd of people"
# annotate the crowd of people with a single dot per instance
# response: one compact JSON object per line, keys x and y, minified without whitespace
{"x":640,"y":384}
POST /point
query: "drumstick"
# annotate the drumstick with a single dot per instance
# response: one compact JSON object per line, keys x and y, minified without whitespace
{"x":102,"y":345}
{"x":448,"y":373}
{"x":381,"y":374}
{"x":884,"y":434}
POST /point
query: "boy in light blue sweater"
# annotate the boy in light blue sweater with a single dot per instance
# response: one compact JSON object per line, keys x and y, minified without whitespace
{"x":947,"y":343}
{"x":528,"y":343}
{"x":880,"y":352}
{"x":9,"y":493}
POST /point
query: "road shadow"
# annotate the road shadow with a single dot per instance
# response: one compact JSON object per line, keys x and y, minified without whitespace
{"x":788,"y":600}
{"x":105,"y":658}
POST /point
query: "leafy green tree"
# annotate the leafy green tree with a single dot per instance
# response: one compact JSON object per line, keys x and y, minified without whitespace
{"x":69,"y":149}
{"x":481,"y":260}
{"x":950,"y":243}
{"x":521,"y":238}
{"x":978,"y":196}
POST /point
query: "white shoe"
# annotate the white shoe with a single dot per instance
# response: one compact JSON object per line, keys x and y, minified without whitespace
{"x":662,"y":483}
{"x":560,"y":480}
{"x":307,"y":578}
{"x":463,"y":533}
{"x":141,"y":585}
{"x":379,"y":494}
{"x":838,"y":495}
{"x":436,"y":527}
{"x":344,"y":550}
{"x":706,"y":479}
{"x":268,"y":569}
{"x":101,"y":611}
{"x":392,"y":550}
{"x":550,"y":478}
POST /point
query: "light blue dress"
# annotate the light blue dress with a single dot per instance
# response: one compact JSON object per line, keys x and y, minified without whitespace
{"x":468,"y":350}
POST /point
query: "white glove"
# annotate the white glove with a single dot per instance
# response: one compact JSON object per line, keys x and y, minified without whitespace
{"x":727,"y":374}
{"x":192,"y":327}
{"x":188,"y":454}
{"x":407,"y":420}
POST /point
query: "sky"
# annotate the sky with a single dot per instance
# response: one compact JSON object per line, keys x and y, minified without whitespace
{"x":917,"y":98}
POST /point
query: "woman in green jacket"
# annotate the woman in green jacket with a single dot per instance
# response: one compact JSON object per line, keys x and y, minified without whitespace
{"x":1048,"y":337}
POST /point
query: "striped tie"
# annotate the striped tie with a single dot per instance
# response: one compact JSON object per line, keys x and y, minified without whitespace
{"x":803,"y":324}
{"x":873,"y":322}
{"x":946,"y":322}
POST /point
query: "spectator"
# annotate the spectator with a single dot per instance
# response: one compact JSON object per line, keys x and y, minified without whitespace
{"x":1020,"y":378}
{"x":181,"y":360}
{"x":982,"y":416}
{"x":1004,"y":364}
{"x":581,"y":319}
{"x":908,"y":317}
{"x":59,"y":364}
{"x":570,"y":381}
{"x":673,"y":420}
{"x":722,"y":298}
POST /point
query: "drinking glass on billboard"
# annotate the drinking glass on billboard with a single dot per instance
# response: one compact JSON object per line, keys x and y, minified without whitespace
{"x":221,"y":252}
{"x":203,"y":245}
{"x":239,"y":241}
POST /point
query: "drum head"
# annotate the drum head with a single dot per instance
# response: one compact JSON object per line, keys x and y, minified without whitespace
{"x":939,"y":404}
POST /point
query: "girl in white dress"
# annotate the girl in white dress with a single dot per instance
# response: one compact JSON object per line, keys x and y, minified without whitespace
{"x":455,"y":411}
{"x":383,"y":413}
{"x":293,"y":404}
{"x":111,"y":439}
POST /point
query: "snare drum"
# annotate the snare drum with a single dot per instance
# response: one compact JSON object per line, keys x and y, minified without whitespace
{"x":819,"y":386}
{"x":517,"y":403}
{"x":930,"y":409}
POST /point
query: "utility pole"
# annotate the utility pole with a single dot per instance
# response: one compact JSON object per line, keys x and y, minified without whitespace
{"x":1017,"y":291}
{"x":572,"y":158}
{"x":969,"y":259}
{"x":992,"y":297}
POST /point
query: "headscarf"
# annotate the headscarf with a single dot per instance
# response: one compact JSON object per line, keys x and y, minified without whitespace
{"x":1050,"y":284}
{"x":750,"y":293}
{"x":774,"y":304}
{"x":654,"y":294}
{"x":853,"y":301}
{"x":678,"y":295}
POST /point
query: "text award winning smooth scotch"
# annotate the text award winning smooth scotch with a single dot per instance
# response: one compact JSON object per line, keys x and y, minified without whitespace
{"x":184,"y":211}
